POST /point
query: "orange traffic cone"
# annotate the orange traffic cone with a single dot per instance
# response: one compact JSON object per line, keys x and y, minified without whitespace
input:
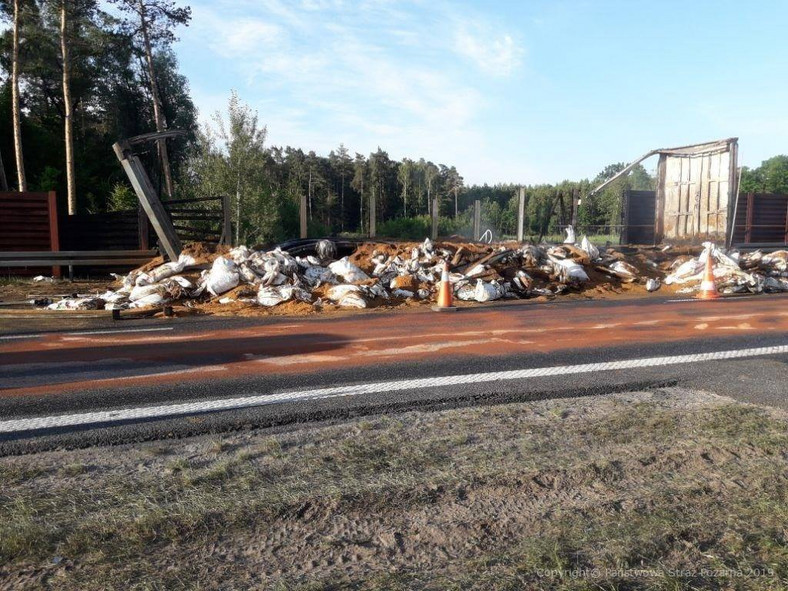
{"x":445,"y":295}
{"x":708,"y":289}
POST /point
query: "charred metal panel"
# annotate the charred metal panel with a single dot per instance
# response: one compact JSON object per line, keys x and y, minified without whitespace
{"x":639,"y":217}
{"x":761,"y":219}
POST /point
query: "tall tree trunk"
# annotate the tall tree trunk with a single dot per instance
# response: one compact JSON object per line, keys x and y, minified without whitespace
{"x":405,"y":201}
{"x":158,"y":116}
{"x":3,"y":179}
{"x":69,"y":124}
{"x":15,"y":109}
{"x":455,"y":203}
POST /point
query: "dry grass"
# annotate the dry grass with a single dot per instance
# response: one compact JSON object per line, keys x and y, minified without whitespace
{"x":647,"y":489}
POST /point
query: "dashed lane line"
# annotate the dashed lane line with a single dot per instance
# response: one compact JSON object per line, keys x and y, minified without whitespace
{"x":120,"y":331}
{"x":87,"y":332}
{"x":20,"y":336}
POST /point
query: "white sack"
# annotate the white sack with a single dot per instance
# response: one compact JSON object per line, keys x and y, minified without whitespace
{"x":152,"y":299}
{"x":348,"y":296}
{"x":486,"y":292}
{"x":222,"y":277}
{"x":348,"y":271}
{"x":143,"y":291}
{"x":574,"y":270}
{"x":593,"y":251}
{"x":165,"y":270}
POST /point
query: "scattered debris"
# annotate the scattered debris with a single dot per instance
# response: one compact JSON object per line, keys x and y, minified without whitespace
{"x":593,"y":251}
{"x":753,"y":272}
{"x":78,"y":304}
{"x":622,"y":270}
{"x":224,"y":280}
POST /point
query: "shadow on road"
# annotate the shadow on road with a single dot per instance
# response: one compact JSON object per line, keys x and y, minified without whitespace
{"x":29,"y":368}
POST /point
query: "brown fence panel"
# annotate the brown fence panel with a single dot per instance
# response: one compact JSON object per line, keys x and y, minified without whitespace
{"x":761,"y":218}
{"x":101,"y":231}
{"x":28,"y":222}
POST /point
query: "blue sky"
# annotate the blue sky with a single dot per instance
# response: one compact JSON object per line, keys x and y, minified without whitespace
{"x":526,"y":92}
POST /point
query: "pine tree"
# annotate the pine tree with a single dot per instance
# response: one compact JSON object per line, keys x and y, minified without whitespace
{"x":154,"y":22}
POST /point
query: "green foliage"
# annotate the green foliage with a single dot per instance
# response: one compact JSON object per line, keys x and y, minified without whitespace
{"x":604,"y":209}
{"x":770,"y":177}
{"x":420,"y":227}
{"x":231,"y":161}
{"x":48,"y":180}
{"x":109,"y":91}
{"x":122,"y":198}
{"x":413,"y":228}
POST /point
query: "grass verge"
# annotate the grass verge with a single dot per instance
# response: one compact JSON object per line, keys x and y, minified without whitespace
{"x":665,"y":490}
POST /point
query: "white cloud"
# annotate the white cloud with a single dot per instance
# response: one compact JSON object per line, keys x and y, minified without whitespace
{"x":497,"y":55}
{"x":244,"y":36}
{"x":322,"y":72}
{"x":232,"y":35}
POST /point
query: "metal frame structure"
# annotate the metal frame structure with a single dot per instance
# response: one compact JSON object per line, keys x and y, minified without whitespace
{"x":143,"y":187}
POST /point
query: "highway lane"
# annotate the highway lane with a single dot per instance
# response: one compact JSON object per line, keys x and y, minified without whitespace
{"x":168,"y":362}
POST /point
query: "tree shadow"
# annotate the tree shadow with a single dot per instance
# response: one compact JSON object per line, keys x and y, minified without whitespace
{"x":30,"y":368}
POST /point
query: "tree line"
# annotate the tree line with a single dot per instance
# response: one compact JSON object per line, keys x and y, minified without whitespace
{"x":77,"y":75}
{"x":266,"y":183}
{"x":74,"y":78}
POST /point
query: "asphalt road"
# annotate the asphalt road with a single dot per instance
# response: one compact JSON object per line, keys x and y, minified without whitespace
{"x":89,"y":381}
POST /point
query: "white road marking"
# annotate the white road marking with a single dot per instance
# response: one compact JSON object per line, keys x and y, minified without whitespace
{"x":175,"y":372}
{"x":21,"y":336}
{"x":443,"y":334}
{"x":130,"y":340}
{"x":171,"y":410}
{"x":741,"y":326}
{"x":120,"y":331}
{"x":721,"y":298}
{"x":733,"y":317}
{"x":300,"y":359}
{"x":426,"y":348}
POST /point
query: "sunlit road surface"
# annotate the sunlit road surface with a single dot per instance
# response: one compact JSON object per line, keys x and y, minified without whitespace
{"x":180,"y":361}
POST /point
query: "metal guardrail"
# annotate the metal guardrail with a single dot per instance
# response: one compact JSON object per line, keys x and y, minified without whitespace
{"x":99,"y":258}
